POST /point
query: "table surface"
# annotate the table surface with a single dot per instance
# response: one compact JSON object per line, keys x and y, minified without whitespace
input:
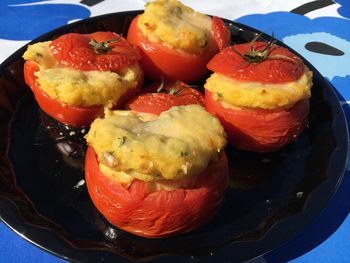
{"x":300,"y":22}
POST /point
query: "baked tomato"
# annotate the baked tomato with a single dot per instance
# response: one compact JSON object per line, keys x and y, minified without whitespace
{"x":160,"y":61}
{"x":156,"y":214}
{"x":100,"y":51}
{"x":263,"y":94}
{"x":258,"y":129}
{"x":76,"y":116}
{"x":161,"y":96}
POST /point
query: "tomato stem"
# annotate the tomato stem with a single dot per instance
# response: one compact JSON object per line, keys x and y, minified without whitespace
{"x":104,"y":46}
{"x":259,"y":55}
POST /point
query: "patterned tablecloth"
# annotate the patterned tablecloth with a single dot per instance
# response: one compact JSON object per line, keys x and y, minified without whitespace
{"x":318,"y":30}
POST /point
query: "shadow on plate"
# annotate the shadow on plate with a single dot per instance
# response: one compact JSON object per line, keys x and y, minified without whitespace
{"x":324,"y":226}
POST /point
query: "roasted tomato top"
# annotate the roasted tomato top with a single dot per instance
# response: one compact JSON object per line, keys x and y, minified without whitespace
{"x":280,"y":64}
{"x":96,"y":51}
{"x":160,"y":96}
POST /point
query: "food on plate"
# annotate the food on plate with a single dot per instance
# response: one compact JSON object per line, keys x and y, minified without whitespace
{"x":161,"y":96}
{"x":74,"y":76}
{"x":176,"y":42}
{"x":157,"y":175}
{"x":260,"y":92}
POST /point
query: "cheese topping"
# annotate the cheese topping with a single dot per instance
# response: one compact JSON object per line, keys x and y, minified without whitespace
{"x":177,"y":144}
{"x":80,"y":88}
{"x":41,"y":54}
{"x":174,"y":24}
{"x":258,"y":95}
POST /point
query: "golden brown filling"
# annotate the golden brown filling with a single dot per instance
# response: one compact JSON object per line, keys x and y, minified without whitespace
{"x":76,"y":87}
{"x":177,"y":144}
{"x":259,"y":95}
{"x":176,"y":25}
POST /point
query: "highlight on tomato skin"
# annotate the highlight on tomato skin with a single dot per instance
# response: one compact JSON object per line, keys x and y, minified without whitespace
{"x":257,"y":129}
{"x":160,"y":61}
{"x":157,"y":214}
{"x":221,"y":33}
{"x":162,"y":95}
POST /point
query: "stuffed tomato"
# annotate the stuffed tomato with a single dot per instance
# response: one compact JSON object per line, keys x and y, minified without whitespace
{"x":176,"y":42}
{"x":161,"y":96}
{"x":74,"y":76}
{"x":151,"y":175}
{"x":260,"y":93}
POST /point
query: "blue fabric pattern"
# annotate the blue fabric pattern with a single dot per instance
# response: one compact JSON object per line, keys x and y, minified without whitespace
{"x":25,"y":20}
{"x":332,"y":31}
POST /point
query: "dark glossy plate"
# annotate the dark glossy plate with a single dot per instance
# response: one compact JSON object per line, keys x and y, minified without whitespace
{"x":271,"y":199}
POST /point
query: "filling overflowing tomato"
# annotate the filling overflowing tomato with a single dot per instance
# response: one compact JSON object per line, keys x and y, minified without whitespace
{"x":175,"y":41}
{"x":151,"y":174}
{"x":75,"y":76}
{"x":260,"y":93}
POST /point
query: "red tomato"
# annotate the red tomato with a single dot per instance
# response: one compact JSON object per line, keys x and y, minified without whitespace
{"x":257,"y":129}
{"x":71,"y":115}
{"x":160,"y":61}
{"x":172,"y":94}
{"x":29,"y":69}
{"x":221,"y":33}
{"x":157,"y":214}
{"x":282,"y":66}
{"x":76,"y":116}
{"x":74,"y":51}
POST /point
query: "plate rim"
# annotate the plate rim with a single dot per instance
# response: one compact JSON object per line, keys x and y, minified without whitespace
{"x":336,"y":181}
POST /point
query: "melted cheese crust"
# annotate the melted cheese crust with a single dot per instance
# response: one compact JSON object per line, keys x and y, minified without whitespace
{"x":80,"y":88}
{"x":238,"y":94}
{"x":176,"y":25}
{"x":177,"y":144}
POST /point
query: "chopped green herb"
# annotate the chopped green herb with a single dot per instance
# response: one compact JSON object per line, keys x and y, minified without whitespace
{"x":172,"y":91}
{"x":183,"y":154}
{"x":122,"y":140}
{"x":161,"y":86}
{"x":219,"y":95}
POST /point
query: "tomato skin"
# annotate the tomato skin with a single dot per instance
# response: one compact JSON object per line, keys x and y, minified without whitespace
{"x":160,"y":61}
{"x":221,"y":33}
{"x":75,"y":116}
{"x":260,"y":130}
{"x":74,"y":51}
{"x":151,"y":101}
{"x":271,"y":70}
{"x":71,"y":115}
{"x":29,"y":69}
{"x":157,"y":214}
